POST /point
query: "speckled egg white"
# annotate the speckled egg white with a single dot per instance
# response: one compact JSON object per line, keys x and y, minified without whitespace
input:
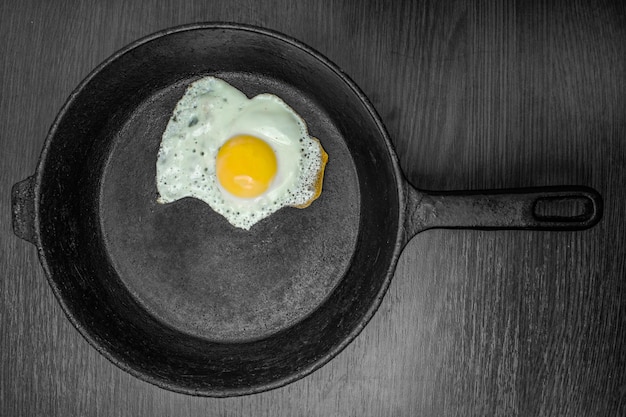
{"x":211,"y":112}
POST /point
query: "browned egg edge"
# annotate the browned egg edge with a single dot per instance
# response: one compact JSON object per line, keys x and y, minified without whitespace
{"x":320,"y":177}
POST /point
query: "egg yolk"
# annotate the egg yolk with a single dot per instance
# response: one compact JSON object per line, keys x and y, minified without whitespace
{"x":245,"y":166}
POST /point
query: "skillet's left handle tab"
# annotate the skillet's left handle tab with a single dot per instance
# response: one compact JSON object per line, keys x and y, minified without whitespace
{"x":23,"y":209}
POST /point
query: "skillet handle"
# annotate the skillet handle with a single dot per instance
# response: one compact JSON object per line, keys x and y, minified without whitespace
{"x":541,"y":208}
{"x":23,"y":209}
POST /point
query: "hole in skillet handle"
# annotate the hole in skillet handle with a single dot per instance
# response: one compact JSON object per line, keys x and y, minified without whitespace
{"x":566,"y":208}
{"x":563,"y":209}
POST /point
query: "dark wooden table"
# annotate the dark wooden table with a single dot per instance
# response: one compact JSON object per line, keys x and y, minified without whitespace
{"x":474,"y":96}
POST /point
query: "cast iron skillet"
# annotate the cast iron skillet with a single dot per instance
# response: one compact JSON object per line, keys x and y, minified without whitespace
{"x":176,"y":296}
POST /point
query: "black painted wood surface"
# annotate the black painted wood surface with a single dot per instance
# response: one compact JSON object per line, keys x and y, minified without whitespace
{"x":474,"y":95}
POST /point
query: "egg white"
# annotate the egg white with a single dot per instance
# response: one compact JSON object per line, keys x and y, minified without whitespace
{"x":212,"y":111}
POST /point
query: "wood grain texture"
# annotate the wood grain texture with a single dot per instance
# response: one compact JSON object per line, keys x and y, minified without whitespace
{"x":474,"y":95}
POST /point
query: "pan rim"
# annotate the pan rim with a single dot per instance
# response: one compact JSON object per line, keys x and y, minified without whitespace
{"x":398,"y":245}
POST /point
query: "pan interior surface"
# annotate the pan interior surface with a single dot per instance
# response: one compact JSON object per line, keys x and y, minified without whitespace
{"x":192,"y":269}
{"x":173,"y":293}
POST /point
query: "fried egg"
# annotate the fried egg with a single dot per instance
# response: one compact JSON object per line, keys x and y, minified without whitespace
{"x":246,"y":158}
